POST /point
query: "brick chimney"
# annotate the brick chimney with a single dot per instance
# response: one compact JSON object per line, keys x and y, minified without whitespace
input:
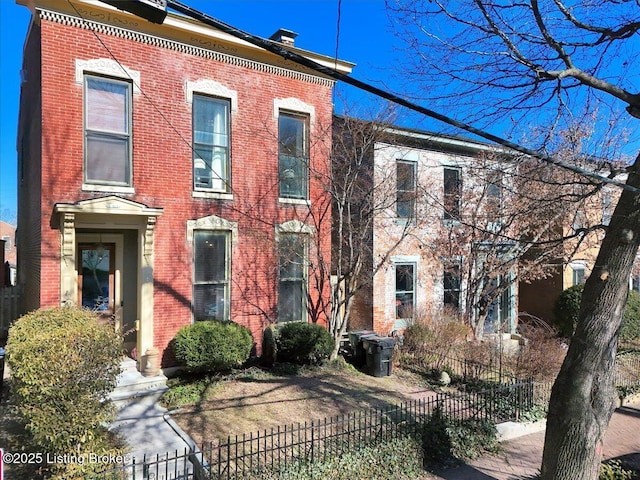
{"x":284,"y":36}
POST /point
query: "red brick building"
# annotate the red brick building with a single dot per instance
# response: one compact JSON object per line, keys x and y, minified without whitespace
{"x":168,"y":173}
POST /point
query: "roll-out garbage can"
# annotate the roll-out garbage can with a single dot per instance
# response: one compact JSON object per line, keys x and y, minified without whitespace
{"x":355,"y":340}
{"x":379,"y":352}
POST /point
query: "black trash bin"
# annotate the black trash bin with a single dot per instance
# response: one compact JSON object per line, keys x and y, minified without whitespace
{"x":355,"y":340}
{"x":379,"y":352}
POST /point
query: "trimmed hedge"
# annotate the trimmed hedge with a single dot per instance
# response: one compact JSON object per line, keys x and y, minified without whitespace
{"x":567,"y":309}
{"x":303,"y":343}
{"x":63,"y":367}
{"x":212,"y":346}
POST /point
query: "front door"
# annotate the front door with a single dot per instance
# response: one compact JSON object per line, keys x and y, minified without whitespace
{"x":96,"y":278}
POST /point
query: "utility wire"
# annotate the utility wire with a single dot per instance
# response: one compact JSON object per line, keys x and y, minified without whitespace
{"x":277,"y":49}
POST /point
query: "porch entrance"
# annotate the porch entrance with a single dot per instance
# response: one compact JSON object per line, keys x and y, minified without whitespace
{"x":106,"y":276}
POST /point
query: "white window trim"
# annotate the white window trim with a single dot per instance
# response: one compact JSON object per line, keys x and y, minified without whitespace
{"x":212,"y":222}
{"x":294,"y":226}
{"x":294,"y":105}
{"x":108,"y":67}
{"x":213,"y":88}
{"x":210,"y":87}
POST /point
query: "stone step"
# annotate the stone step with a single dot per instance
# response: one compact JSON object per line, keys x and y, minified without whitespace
{"x":132,"y":384}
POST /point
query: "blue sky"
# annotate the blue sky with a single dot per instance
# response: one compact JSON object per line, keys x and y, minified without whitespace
{"x":365,"y":39}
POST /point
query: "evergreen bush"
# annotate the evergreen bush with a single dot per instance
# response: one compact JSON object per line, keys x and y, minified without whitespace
{"x":212,"y":346}
{"x":567,"y":309}
{"x":304,"y":343}
{"x":63,"y":367}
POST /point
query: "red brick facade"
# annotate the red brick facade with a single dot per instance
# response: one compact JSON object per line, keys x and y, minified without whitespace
{"x":162,"y":158}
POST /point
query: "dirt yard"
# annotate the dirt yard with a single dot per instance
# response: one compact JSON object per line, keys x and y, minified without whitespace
{"x":262,"y":401}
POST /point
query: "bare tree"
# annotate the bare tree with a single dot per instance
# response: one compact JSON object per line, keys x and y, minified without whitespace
{"x":547,"y":63}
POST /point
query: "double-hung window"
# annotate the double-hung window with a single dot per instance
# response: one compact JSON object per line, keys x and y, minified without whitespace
{"x":211,"y":275}
{"x":452,"y":193}
{"x":293,"y":155}
{"x":211,"y":143}
{"x":405,"y":188}
{"x":107,"y":131}
{"x":405,"y":289}
{"x":292,"y":284}
{"x":451,"y":285}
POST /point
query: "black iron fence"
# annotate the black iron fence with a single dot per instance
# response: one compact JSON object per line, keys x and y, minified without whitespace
{"x":508,"y":399}
{"x":271,"y":450}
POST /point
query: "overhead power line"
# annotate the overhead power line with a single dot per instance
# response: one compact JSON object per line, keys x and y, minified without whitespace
{"x":279,"y":50}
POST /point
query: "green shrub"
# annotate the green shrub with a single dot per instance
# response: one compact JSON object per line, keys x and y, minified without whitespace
{"x":567,"y":309}
{"x":395,"y":459}
{"x":270,"y":345}
{"x":613,"y":470}
{"x":63,"y":366}
{"x":630,"y":328}
{"x":447,"y":441}
{"x":212,"y":346}
{"x":304,"y":343}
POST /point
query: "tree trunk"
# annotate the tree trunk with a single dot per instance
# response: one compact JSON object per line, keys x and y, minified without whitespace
{"x":583,"y":395}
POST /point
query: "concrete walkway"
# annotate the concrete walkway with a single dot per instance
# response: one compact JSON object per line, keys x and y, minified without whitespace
{"x":521,"y":457}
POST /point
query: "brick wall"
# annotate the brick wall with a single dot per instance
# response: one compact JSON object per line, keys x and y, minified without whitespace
{"x":162,"y":175}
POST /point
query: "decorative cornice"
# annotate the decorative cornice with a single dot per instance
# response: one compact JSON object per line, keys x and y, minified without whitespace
{"x":208,"y":53}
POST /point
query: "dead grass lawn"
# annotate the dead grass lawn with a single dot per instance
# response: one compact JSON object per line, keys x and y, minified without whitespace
{"x":264,"y":401}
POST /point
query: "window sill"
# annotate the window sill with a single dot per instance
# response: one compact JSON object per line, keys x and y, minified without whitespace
{"x":212,"y":195}
{"x":89,"y":187}
{"x":294,"y":201}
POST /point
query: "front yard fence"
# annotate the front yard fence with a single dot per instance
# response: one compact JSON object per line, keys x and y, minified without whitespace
{"x":271,"y":450}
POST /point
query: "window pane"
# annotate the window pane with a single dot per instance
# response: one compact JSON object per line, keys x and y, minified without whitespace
{"x":406,"y":180}
{"x":210,"y":256}
{"x":107,"y":106}
{"x":210,"y":121}
{"x":404,"y":277}
{"x":290,"y":301}
{"x":211,"y":143}
{"x":107,"y":159}
{"x":291,"y":135}
{"x":292,"y":281}
{"x":107,"y":131}
{"x":293,"y":157}
{"x":209,"y":302}
{"x":293,"y":177}
{"x":405,"y":295}
{"x":210,"y":167}
{"x":452,"y":192}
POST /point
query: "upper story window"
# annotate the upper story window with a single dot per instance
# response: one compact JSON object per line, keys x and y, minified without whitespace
{"x":405,"y":188}
{"x":107,"y":131}
{"x":211,"y":165}
{"x":452,"y":193}
{"x":293,"y":155}
{"x":451,"y":284}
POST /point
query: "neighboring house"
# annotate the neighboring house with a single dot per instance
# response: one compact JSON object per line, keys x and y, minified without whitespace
{"x":580,"y":249}
{"x":164,"y":173}
{"x":9,"y":256}
{"x":426,"y":262}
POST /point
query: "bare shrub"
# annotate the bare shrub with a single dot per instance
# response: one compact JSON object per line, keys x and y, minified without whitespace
{"x":540,"y":358}
{"x":431,"y":338}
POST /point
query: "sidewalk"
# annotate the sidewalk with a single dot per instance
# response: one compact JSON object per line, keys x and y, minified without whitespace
{"x":521,"y":457}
